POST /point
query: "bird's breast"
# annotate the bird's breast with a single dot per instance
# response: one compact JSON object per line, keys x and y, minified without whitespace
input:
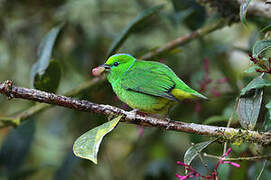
{"x":143,"y":102}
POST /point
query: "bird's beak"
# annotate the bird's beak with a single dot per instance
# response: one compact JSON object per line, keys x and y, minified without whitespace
{"x":100,"y":69}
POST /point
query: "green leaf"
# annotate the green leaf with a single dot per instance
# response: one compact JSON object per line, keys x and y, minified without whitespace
{"x":131,"y":26}
{"x":16,"y":147}
{"x":267,"y":120}
{"x":256,"y":83}
{"x":193,"y":151}
{"x":87,"y":145}
{"x":50,"y":80}
{"x":249,"y":103}
{"x":196,"y":16}
{"x":253,"y":68}
{"x":268,"y":105}
{"x":243,"y":10}
{"x":42,"y":66}
{"x":260,"y":46}
{"x":223,"y":172}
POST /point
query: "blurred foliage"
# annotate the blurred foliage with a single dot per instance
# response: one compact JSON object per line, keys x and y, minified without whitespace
{"x":40,"y":148}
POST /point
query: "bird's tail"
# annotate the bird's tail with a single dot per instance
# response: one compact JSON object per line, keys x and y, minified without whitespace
{"x":192,"y":94}
{"x":200,"y":96}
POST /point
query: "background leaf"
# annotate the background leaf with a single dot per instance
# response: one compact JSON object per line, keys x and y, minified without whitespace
{"x":243,"y":10}
{"x":253,"y":68}
{"x":87,"y":145}
{"x":216,"y":119}
{"x":192,"y":12}
{"x":132,"y":25}
{"x":192,"y":152}
{"x":256,"y":83}
{"x":260,"y":46}
{"x":46,"y":71}
{"x":50,"y":80}
{"x":248,"y":108}
{"x":15,"y":147}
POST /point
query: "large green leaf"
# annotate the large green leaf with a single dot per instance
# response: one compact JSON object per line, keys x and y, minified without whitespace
{"x":243,"y":10}
{"x":50,"y":80}
{"x":256,"y":83}
{"x":45,"y":74}
{"x":193,"y":151}
{"x":87,"y":145}
{"x":131,"y":26}
{"x":261,"y":46}
{"x":249,"y":103}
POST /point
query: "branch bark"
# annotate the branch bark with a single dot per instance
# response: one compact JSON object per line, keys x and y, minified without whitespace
{"x":222,"y":133}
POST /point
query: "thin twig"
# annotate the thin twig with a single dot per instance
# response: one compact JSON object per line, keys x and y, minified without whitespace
{"x":185,"y":39}
{"x":203,"y":162}
{"x":229,"y":122}
{"x":259,"y":176}
{"x":253,"y":158}
{"x":222,"y":133}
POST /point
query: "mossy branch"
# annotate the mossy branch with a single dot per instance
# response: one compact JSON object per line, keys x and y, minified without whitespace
{"x":222,"y":133}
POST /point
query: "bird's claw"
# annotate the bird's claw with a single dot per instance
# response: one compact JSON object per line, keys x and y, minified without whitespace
{"x":133,"y":114}
{"x":168,"y":123}
{"x":110,"y":117}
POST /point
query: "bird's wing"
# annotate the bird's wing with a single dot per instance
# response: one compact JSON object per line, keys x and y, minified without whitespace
{"x":149,"y":80}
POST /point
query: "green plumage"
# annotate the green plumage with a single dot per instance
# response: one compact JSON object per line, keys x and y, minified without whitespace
{"x":148,"y":86}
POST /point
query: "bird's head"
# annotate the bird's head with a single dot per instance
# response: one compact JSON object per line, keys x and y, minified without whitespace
{"x":115,"y":65}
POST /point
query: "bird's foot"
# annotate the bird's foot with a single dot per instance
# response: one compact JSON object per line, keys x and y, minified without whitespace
{"x":133,"y":114}
{"x":168,"y":123}
{"x":111,"y":117}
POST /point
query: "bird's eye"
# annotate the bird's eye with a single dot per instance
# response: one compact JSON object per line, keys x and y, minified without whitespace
{"x":116,"y":63}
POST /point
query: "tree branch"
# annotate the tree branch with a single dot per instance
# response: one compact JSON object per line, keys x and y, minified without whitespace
{"x":223,"y":133}
{"x":185,"y":39}
{"x":41,"y":107}
{"x":252,"y":158}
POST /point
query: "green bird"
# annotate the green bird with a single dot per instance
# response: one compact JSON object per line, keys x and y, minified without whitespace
{"x":146,"y":86}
